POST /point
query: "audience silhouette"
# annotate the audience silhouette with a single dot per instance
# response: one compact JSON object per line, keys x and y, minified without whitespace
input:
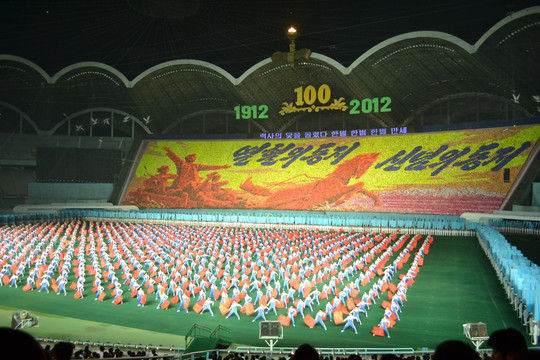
{"x":455,"y":349}
{"x":16,"y":344}
{"x":62,"y":351}
{"x":509,"y":344}
{"x":305,"y":352}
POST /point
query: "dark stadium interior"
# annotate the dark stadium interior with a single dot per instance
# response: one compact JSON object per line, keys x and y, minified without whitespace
{"x":416,"y":53}
{"x":201,"y":142}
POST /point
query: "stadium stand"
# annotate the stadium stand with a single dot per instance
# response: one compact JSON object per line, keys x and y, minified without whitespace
{"x":518,"y":275}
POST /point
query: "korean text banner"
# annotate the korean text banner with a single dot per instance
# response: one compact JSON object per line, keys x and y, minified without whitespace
{"x":443,"y":173}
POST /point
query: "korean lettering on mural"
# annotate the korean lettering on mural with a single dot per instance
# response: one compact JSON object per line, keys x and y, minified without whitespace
{"x":286,"y":154}
{"x":466,"y":159}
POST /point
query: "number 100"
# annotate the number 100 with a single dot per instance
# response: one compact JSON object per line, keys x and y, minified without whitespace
{"x":309,"y":94}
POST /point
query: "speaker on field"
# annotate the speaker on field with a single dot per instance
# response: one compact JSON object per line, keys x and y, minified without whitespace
{"x":22,"y":319}
{"x":478,"y":330}
{"x":270,"y":330}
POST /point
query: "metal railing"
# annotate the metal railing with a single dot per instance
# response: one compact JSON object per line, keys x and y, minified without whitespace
{"x":175,"y":352}
{"x":197,"y":331}
{"x":278,"y":352}
{"x":221,"y":335}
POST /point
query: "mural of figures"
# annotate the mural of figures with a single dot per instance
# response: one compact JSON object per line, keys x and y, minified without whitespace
{"x":448,"y":173}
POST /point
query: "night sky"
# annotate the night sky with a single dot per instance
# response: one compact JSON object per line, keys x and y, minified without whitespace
{"x":134,"y":35}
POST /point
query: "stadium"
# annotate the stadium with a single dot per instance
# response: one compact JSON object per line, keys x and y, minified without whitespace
{"x":191,"y":179}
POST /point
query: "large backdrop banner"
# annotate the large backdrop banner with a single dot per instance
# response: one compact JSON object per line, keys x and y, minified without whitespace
{"x":443,"y":173}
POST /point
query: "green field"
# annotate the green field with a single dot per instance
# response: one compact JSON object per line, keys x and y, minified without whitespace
{"x":456,"y":285}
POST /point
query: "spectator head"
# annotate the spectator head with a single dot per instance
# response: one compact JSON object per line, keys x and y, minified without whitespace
{"x":16,"y":344}
{"x":508,"y":344}
{"x":62,"y":351}
{"x":305,"y":352}
{"x":354,"y":357}
{"x":455,"y":349}
{"x":389,"y":357}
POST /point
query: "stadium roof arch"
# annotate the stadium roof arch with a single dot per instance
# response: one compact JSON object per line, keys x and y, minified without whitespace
{"x":430,"y":77}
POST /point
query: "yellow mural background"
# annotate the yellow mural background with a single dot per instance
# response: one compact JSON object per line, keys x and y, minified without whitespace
{"x":221,"y":153}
